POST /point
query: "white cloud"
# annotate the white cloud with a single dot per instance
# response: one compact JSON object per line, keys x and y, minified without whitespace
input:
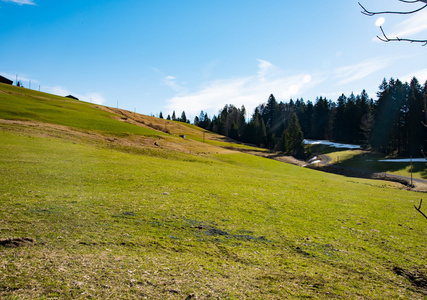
{"x":92,"y":97}
{"x":249,"y":91}
{"x":361,"y":70}
{"x":170,"y":81}
{"x":265,"y":68}
{"x":421,"y":75}
{"x":21,"y":2}
{"x":411,"y":26}
{"x":56,"y":90}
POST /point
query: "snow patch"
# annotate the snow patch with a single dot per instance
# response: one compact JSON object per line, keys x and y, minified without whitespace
{"x":314,"y":160}
{"x":331,"y":144}
{"x":403,"y":160}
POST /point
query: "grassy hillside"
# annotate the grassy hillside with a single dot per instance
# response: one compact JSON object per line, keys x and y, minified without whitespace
{"x":100,"y":206}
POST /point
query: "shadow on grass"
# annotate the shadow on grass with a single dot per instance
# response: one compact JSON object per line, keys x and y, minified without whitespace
{"x":369,"y":161}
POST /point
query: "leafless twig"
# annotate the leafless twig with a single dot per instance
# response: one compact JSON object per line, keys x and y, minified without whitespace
{"x":372,"y":13}
{"x":419,"y":208}
{"x":385,"y":38}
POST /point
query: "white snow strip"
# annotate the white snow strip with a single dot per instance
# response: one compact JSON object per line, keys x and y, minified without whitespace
{"x":404,"y":160}
{"x":311,"y":160}
{"x":331,"y":144}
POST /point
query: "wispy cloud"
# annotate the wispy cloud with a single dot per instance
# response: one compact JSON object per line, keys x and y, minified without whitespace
{"x":411,"y":26}
{"x":249,"y":91}
{"x":21,"y":2}
{"x":348,"y":74}
{"x":170,"y":81}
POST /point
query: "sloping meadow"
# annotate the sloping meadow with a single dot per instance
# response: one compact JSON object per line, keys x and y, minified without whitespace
{"x":84,"y":220}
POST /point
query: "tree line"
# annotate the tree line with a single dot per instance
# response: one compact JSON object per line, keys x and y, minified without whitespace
{"x":392,"y":124}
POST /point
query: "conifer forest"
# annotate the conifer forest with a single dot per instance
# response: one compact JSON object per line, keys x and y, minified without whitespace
{"x":393,"y":124}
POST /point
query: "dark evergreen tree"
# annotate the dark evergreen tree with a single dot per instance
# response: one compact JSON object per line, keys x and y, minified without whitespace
{"x":196,"y":121}
{"x":339,"y":131}
{"x":415,"y":117}
{"x":183,"y":117}
{"x":383,"y":118}
{"x":256,"y":132}
{"x":364,"y":118}
{"x":292,"y":138}
{"x":234,"y":131}
{"x":321,"y":126}
{"x":269,"y":113}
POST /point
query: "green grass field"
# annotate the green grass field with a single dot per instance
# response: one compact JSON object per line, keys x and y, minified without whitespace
{"x":121,"y":220}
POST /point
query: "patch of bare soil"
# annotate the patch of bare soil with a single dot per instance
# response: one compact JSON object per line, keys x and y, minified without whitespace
{"x":136,"y":142}
{"x":17,"y":242}
{"x":416,"y":277}
{"x":47,"y":129}
{"x":279,"y":156}
{"x":162,"y":125}
{"x":287,"y":159}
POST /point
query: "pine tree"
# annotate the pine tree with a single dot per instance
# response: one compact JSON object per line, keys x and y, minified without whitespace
{"x":415,"y":116}
{"x":321,"y":112}
{"x":196,"y":121}
{"x":293,"y":138}
{"x":270,"y":111}
{"x":340,"y":119}
{"x":183,"y":117}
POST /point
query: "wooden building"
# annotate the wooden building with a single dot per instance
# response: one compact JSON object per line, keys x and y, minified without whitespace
{"x":5,"y":80}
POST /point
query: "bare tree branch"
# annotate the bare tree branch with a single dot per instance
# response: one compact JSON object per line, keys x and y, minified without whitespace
{"x":371,"y":13}
{"x":419,"y":209}
{"x":412,"y":1}
{"x":386,"y":39}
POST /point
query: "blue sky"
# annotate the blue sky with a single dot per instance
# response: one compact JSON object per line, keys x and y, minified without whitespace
{"x":194,"y":55}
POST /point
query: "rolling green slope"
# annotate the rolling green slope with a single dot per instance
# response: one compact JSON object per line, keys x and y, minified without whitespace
{"x":23,"y":104}
{"x":93,"y":217}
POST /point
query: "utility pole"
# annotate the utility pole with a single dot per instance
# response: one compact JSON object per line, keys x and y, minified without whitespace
{"x":30,"y":85}
{"x":411,"y":170}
